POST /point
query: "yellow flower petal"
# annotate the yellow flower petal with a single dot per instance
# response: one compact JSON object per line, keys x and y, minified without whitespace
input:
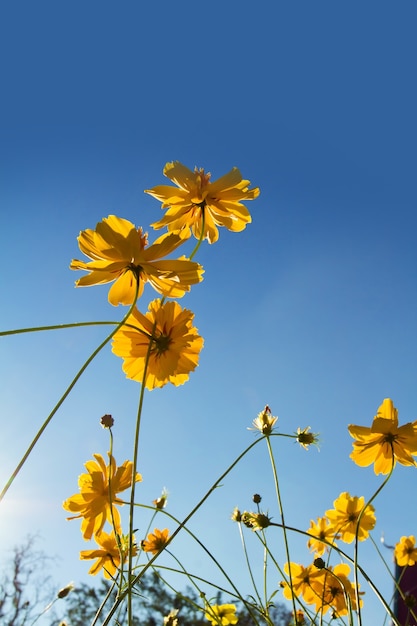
{"x":385,"y":443}
{"x":174,"y":345}
{"x":120,"y":253}
{"x":93,"y":504}
{"x":200,"y":206}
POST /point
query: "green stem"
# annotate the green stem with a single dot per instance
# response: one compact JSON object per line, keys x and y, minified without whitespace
{"x":115,"y":530}
{"x":206,"y":550}
{"x":356,"y":546}
{"x":200,"y":579}
{"x":215,"y":485}
{"x":104,"y":602}
{"x":35,"y":329}
{"x":134,"y":470}
{"x":64,"y":396}
{"x":281,"y":511}
{"x":350,"y":560}
{"x":201,"y":238}
{"x":245,"y":552}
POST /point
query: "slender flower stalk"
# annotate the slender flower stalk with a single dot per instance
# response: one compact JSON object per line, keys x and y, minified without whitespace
{"x":34,"y":329}
{"x":191,"y":514}
{"x":62,"y":399}
{"x":132,"y":493}
{"x":248,"y":564}
{"x":281,"y":511}
{"x":206,"y":550}
{"x":356,"y":545}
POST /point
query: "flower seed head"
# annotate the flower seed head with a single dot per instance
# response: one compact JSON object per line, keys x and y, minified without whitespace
{"x":107,"y":421}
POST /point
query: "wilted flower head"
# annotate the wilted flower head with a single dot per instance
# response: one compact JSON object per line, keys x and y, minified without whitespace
{"x":264,"y":422}
{"x":160,"y":503}
{"x":305,"y":438}
{"x":255,"y":521}
{"x":199,"y":205}
{"x":236,"y":515}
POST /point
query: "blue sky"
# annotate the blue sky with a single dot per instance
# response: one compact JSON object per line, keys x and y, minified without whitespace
{"x":312,"y":309}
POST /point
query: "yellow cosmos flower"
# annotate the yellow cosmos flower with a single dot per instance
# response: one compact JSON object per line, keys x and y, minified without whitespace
{"x":302,"y":582}
{"x":385,"y":442}
{"x":322,"y":529}
{"x":156,"y":541}
{"x":109,"y":556}
{"x":97,"y":497}
{"x":221,"y":614}
{"x":120,"y":253}
{"x":299,"y":618}
{"x":405,"y":551}
{"x":195,"y":198}
{"x":344,"y":517}
{"x":175,"y":344}
{"x":331,"y":589}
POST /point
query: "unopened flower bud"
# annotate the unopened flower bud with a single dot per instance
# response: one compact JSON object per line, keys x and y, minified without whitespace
{"x":171,"y":619}
{"x":409,"y":600}
{"x":256,"y":498}
{"x":236,"y":515}
{"x":107,"y":421}
{"x":160,"y":503}
{"x":62,"y":593}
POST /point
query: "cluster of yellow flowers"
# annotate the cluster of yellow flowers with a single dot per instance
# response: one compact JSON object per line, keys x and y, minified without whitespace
{"x":351,"y":520}
{"x":164,"y":337}
{"x":383,"y":444}
{"x":96,"y":504}
{"x":221,"y":614}
{"x":162,"y":346}
{"x":157,"y":347}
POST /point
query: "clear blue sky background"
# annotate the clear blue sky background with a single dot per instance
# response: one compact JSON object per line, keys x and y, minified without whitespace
{"x":312,"y":309}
